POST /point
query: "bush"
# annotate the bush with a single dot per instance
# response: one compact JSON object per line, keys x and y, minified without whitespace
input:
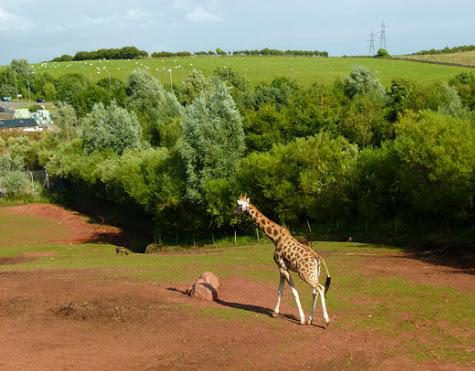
{"x":382,"y":53}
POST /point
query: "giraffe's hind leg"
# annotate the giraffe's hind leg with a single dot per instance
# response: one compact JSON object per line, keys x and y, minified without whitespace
{"x":312,"y":308}
{"x":321,"y":291}
{"x":297,"y":300}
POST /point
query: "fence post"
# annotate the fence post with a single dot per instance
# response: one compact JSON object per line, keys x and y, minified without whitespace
{"x":32,"y":181}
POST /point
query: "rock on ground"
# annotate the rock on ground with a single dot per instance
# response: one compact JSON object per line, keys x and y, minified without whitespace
{"x":205,"y":287}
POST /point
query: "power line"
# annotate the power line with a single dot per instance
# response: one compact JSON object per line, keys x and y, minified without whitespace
{"x":382,"y":36}
{"x":371,"y":45}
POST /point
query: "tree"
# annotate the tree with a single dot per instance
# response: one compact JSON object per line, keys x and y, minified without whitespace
{"x":155,"y":108}
{"x":110,"y":128}
{"x":437,"y":157}
{"x":449,"y":102}
{"x":220,"y":51}
{"x":362,"y":81}
{"x":212,"y":143}
{"x":66,"y":121}
{"x":382,"y":53}
{"x":307,"y":177}
{"x":193,"y":86}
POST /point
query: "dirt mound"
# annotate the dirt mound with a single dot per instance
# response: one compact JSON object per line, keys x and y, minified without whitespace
{"x":80,"y":230}
{"x":103,"y":311}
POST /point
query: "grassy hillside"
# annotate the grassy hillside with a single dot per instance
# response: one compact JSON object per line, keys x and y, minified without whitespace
{"x":466,"y":58}
{"x":305,"y":70}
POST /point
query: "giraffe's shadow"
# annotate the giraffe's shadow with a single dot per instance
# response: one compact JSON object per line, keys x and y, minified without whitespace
{"x":250,"y":308}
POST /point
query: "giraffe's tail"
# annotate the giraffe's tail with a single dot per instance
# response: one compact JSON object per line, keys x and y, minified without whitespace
{"x":329,"y":278}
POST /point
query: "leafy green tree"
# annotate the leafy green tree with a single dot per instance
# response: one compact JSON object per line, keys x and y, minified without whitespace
{"x":220,"y":51}
{"x":437,"y":160}
{"x":213,"y":141}
{"x":154,"y":106}
{"x":465,"y":85}
{"x":110,"y":128}
{"x":449,"y":102}
{"x":362,"y":81}
{"x":364,"y":122}
{"x":308,"y":177}
{"x":66,"y":121}
{"x":115,"y":89}
{"x":70,"y":89}
{"x":382,"y":53}
{"x":239,"y":85}
{"x":193,"y":86}
{"x":406,"y":95}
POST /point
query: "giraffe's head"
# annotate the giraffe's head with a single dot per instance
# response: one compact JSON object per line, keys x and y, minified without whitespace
{"x":243,"y":204}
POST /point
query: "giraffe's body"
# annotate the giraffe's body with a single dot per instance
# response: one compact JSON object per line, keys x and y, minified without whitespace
{"x":291,"y":255}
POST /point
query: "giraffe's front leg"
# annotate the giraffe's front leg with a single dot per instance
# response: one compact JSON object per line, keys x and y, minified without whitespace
{"x":279,"y":296}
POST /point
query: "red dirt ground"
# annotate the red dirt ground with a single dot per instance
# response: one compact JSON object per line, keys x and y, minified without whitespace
{"x":80,"y":320}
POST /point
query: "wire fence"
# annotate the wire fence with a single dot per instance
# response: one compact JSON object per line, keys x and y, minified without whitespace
{"x":31,"y":182}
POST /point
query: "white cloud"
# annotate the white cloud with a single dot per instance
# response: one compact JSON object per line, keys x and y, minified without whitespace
{"x":201,"y":15}
{"x":12,"y":22}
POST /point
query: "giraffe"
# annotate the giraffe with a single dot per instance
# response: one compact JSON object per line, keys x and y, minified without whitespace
{"x":291,"y":255}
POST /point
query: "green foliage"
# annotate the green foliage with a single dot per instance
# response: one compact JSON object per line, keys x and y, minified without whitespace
{"x":437,"y":159}
{"x":110,"y":128}
{"x":213,"y":140}
{"x":14,"y":184}
{"x":449,"y":102}
{"x":306,"y":177}
{"x":147,"y":176}
{"x":465,"y":85}
{"x":382,"y":53}
{"x":362,"y":81}
{"x":66,"y":122}
{"x":193,"y":86}
{"x":155,"y":108}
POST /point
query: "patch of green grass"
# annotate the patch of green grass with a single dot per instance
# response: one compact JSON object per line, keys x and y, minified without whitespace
{"x":304,"y":70}
{"x":17,"y":230}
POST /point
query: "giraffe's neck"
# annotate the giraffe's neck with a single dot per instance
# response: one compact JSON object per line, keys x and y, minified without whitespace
{"x":267,"y":226}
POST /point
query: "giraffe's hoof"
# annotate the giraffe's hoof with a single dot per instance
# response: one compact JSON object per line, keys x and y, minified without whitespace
{"x":309,"y":321}
{"x":303,"y":322}
{"x":327,"y":324}
{"x":275,"y":315}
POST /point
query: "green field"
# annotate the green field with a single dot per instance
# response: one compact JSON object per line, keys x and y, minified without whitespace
{"x":304,"y":70}
{"x":425,"y":320}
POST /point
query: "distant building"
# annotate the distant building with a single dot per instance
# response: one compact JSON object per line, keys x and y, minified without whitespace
{"x":28,"y":125}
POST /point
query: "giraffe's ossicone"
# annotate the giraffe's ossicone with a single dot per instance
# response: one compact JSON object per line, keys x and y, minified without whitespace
{"x":291,"y":255}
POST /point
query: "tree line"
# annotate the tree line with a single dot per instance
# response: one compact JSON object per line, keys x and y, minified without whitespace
{"x":447,"y":50}
{"x":126,"y":52}
{"x":132,"y":52}
{"x":351,"y":157}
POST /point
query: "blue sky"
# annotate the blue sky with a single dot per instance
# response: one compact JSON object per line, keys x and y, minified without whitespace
{"x":40,"y":30}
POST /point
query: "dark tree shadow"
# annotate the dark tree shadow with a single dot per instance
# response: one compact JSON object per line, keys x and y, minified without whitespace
{"x":249,"y":307}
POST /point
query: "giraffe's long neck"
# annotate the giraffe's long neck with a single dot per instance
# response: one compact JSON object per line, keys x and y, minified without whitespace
{"x":267,"y":226}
